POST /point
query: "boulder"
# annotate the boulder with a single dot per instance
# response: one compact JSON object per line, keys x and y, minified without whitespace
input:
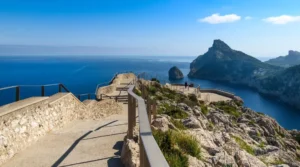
{"x":175,"y":73}
{"x":191,"y":122}
{"x":130,"y":153}
{"x":247,"y":160}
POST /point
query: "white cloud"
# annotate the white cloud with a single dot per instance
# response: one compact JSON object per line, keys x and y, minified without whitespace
{"x":283,"y":19}
{"x":248,"y":18}
{"x":217,"y":18}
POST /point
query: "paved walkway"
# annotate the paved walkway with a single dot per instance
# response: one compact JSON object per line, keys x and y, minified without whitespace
{"x":80,"y":143}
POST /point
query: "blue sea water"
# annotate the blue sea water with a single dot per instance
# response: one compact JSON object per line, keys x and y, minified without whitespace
{"x":81,"y":74}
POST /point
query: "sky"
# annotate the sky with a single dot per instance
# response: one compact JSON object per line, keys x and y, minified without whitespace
{"x":261,"y":28}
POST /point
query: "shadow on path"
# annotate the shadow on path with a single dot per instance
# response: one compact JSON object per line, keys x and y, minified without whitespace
{"x":105,"y":136}
{"x":84,"y":162}
{"x":116,"y":160}
{"x":71,"y":148}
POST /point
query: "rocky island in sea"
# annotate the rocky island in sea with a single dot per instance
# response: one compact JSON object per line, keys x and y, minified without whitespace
{"x":191,"y":132}
{"x":221,"y":63}
{"x":175,"y":73}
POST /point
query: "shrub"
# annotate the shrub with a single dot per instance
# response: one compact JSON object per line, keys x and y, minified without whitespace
{"x":177,"y":113}
{"x":188,"y":144}
{"x":228,"y":109}
{"x":211,"y":126}
{"x":243,"y":145}
{"x":175,"y":147}
{"x":193,"y":98}
{"x":204,"y":109}
{"x":156,"y":80}
{"x":152,"y":89}
{"x":178,"y":124}
{"x":261,"y":145}
{"x":137,"y":92}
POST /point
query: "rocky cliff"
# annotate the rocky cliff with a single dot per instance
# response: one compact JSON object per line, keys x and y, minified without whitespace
{"x":194,"y":133}
{"x":293,"y":58}
{"x":222,"y":63}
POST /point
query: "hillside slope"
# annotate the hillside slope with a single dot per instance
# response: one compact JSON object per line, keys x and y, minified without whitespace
{"x":293,"y":58}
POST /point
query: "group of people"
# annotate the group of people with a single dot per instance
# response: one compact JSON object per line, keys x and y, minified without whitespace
{"x":188,"y":85}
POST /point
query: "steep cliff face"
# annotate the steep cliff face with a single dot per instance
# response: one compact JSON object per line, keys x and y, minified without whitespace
{"x":293,"y":58}
{"x":285,"y":84}
{"x":221,"y":62}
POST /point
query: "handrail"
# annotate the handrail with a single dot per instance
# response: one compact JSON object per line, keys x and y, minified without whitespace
{"x":17,"y":87}
{"x":105,"y":83}
{"x":150,"y":153}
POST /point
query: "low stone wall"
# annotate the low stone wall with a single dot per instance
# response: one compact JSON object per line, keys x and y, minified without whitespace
{"x":22,"y":127}
{"x":219,"y":92}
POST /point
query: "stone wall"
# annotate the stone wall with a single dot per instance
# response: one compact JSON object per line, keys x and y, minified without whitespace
{"x":22,"y":127}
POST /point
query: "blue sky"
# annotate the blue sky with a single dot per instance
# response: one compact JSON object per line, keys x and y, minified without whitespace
{"x":262,"y":28}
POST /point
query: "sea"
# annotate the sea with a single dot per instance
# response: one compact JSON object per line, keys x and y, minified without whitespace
{"x":81,"y":74}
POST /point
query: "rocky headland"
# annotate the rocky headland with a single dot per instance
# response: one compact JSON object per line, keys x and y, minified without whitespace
{"x":221,"y":63}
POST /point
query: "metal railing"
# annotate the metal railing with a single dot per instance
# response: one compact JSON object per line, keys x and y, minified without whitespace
{"x":42,"y":87}
{"x":150,"y":153}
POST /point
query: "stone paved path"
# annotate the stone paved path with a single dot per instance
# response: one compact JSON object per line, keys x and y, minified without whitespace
{"x":81,"y":143}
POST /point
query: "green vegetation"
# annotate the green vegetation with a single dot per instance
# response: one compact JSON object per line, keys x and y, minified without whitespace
{"x":238,"y":103}
{"x":211,"y":126}
{"x":178,"y":124}
{"x":278,"y":162}
{"x":279,"y":133}
{"x":262,"y":145}
{"x":176,"y":146}
{"x":152,"y":90}
{"x":156,"y":80}
{"x":193,"y":98}
{"x":172,"y":111}
{"x":243,"y":145}
{"x":228,"y":109}
{"x":137,"y":92}
{"x":251,"y":123}
{"x":204,"y":109}
{"x":260,"y":113}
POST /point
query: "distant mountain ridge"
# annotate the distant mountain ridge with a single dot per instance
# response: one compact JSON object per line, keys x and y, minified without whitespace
{"x":221,"y":63}
{"x":293,"y":58}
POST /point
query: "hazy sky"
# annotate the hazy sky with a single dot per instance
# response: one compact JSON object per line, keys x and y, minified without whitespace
{"x":262,"y":28}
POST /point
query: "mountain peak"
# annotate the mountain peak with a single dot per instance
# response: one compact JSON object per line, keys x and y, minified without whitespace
{"x":292,"y":52}
{"x":219,"y":44}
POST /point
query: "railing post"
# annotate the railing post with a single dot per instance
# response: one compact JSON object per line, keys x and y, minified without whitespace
{"x":133,"y":113}
{"x":149,"y":109}
{"x":142,"y":154}
{"x":43,"y":90}
{"x":130,"y":113}
{"x":17,"y":93}
{"x":59,"y":88}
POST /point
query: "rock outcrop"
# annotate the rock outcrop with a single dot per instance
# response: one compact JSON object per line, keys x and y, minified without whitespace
{"x":230,"y":134}
{"x":221,"y":63}
{"x":175,"y":73}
